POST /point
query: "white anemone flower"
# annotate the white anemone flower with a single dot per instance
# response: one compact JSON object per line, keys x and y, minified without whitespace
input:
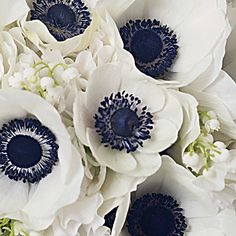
{"x":168,"y":203}
{"x":126,"y":120}
{"x":41,"y":171}
{"x":61,"y":24}
{"x":182,"y":38}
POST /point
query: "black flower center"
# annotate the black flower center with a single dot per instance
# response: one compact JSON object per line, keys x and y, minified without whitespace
{"x":156,"y":215}
{"x":64,"y":19}
{"x":28,"y":150}
{"x":24,"y":151}
{"x":153,"y":46}
{"x":124,"y":122}
{"x":61,"y":15}
{"x":157,"y":221}
{"x":146,"y":45}
{"x":121,"y":123}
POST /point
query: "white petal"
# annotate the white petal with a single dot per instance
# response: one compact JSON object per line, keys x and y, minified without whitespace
{"x":121,"y":216}
{"x":116,"y":8}
{"x":12,"y":11}
{"x":162,"y":137}
{"x":117,"y":185}
{"x":119,"y":161}
{"x":187,"y":77}
{"x":152,"y":96}
{"x":212,"y":72}
{"x":52,"y":191}
{"x":222,"y":84}
{"x":13,"y":195}
{"x":105,"y":81}
{"x":82,"y":117}
{"x":169,"y":12}
{"x":190,"y":129}
{"x":174,"y":180}
{"x":172,"y":111}
{"x":196,"y":41}
{"x":147,"y":164}
{"x":9,"y":111}
{"x":85,"y":63}
{"x":72,"y":217}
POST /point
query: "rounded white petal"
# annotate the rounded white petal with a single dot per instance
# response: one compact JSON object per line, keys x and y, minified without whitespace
{"x":12,"y":11}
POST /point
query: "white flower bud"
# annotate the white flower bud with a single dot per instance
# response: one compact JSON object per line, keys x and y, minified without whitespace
{"x":195,"y":161}
{"x":223,"y":154}
{"x":220,"y":145}
{"x":70,"y":73}
{"x":212,"y":114}
{"x":47,"y":82}
{"x":28,"y":72}
{"x":15,"y":80}
{"x":209,"y":173}
{"x":53,"y":94}
{"x":212,"y":125}
{"x":206,"y":139}
{"x":57,"y":74}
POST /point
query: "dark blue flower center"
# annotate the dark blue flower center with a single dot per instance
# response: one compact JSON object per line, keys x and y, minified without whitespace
{"x":121,"y":123}
{"x":64,"y":19}
{"x":28,"y":150}
{"x":153,"y":46}
{"x":124,"y":122}
{"x":146,"y":45}
{"x":24,"y":151}
{"x":61,"y":15}
{"x":156,"y":215}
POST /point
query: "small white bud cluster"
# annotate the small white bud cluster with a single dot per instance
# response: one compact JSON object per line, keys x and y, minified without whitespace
{"x":46,"y":80}
{"x":204,"y":151}
{"x":210,"y":121}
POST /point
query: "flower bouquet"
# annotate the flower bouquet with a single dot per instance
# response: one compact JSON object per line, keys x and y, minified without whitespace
{"x":117,"y":118}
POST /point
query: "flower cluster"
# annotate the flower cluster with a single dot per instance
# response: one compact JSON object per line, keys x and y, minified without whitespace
{"x":118,"y":118}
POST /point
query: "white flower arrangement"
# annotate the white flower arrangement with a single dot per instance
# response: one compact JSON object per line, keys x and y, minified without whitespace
{"x":117,"y":118}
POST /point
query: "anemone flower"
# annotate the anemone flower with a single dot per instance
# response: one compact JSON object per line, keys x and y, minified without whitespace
{"x":39,"y":166}
{"x":174,"y":40}
{"x":127,"y":120}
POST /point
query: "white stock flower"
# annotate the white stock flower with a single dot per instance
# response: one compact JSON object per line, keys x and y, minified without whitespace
{"x":220,"y":97}
{"x":34,"y":189}
{"x":190,"y":38}
{"x":193,"y":160}
{"x":126,"y":120}
{"x":50,"y":76}
{"x":80,"y":218}
{"x":220,"y":178}
{"x":169,"y":203}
